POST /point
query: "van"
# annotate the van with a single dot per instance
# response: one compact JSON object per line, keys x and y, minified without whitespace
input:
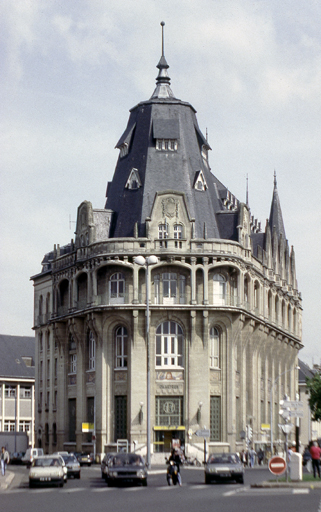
{"x":30,"y":454}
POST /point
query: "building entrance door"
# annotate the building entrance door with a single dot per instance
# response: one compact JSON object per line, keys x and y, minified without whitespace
{"x":165,"y":440}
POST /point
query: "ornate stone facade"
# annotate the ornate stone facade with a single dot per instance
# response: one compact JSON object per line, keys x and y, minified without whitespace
{"x":225,"y":311}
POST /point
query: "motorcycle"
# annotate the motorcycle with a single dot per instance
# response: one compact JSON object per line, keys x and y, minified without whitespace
{"x":172,"y":473}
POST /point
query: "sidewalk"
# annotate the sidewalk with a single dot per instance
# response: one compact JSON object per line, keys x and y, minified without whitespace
{"x":315,"y":484}
{"x":6,"y":480}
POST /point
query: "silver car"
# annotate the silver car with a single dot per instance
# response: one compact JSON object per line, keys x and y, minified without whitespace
{"x":224,"y":466}
{"x":47,"y":470}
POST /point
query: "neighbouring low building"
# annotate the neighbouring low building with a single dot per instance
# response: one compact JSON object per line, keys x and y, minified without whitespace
{"x":17,"y":385}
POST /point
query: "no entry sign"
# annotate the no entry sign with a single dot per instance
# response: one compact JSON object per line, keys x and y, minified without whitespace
{"x":277,"y":465}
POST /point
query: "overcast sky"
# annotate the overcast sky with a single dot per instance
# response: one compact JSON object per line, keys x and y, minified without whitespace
{"x":72,"y":69}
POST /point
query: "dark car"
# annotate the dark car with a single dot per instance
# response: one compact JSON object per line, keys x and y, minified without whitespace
{"x":16,"y":457}
{"x":224,"y":466}
{"x":85,"y":459}
{"x":127,"y":468}
{"x":104,"y":464}
{"x":72,"y":465}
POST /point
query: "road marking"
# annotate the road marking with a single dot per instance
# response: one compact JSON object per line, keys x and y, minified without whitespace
{"x":301,"y":491}
{"x":74,"y":489}
{"x":102,"y":489}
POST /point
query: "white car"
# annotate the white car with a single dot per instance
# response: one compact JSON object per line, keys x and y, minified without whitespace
{"x":47,"y":470}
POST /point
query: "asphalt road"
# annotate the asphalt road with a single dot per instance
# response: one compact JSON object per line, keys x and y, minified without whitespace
{"x":91,"y":494}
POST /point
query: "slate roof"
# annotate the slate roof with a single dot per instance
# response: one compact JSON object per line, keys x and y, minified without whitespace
{"x":276,"y":219}
{"x":12,"y":351}
{"x":305,"y":372}
{"x":162,"y":116}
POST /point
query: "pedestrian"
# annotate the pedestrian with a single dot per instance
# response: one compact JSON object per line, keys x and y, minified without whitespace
{"x":177,"y":460}
{"x":260,"y":456}
{"x":252,"y":454}
{"x":4,"y":460}
{"x":315,"y":451}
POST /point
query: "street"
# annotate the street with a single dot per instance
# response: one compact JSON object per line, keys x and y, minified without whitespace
{"x":91,"y":493}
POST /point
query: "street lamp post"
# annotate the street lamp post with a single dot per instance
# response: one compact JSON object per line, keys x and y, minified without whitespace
{"x":145,"y":262}
{"x":271,"y":404}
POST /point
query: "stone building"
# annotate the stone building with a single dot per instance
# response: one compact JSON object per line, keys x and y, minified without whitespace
{"x":225,"y":311}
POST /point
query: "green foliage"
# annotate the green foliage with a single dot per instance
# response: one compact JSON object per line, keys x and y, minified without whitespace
{"x":314,"y":388}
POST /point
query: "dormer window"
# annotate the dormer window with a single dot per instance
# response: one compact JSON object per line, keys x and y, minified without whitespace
{"x":166,"y":144}
{"x":133,"y":182}
{"x":123,"y":150}
{"x":200,"y":182}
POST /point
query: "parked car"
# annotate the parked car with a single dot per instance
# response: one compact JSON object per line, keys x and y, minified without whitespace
{"x":30,"y":455}
{"x":224,"y":466}
{"x":16,"y":457}
{"x":72,"y":464}
{"x":104,"y":464}
{"x":47,"y":470}
{"x":127,"y":468}
{"x":85,"y":459}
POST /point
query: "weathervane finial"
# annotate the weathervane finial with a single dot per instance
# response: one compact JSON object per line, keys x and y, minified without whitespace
{"x":162,"y":25}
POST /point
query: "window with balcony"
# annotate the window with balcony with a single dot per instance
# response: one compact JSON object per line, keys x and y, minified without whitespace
{"x":163,"y":234}
{"x":219,"y":290}
{"x":169,"y":345}
{"x":117,"y":288}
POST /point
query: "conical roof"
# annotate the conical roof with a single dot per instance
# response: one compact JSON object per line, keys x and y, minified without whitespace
{"x":163,"y":119}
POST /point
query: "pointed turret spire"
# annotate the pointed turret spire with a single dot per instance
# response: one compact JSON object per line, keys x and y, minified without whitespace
{"x":163,"y":90}
{"x":276,"y":219}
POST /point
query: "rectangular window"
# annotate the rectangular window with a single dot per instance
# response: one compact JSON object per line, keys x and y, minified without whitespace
{"x":9,"y":425}
{"x":120,"y":417}
{"x":72,"y":419}
{"x":215,"y":418}
{"x":24,"y":426}
{"x":91,"y":355}
{"x":25,"y":392}
{"x":9,"y":391}
{"x":73,"y":363}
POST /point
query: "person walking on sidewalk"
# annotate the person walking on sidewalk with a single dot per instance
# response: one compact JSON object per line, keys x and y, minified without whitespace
{"x":315,"y":452}
{"x":4,"y":460}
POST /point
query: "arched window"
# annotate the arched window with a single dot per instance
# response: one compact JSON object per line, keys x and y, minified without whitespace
{"x":169,"y":345}
{"x":257,"y":297}
{"x":117,"y":288}
{"x":246,"y":293}
{"x":289,"y":318}
{"x":91,"y":351}
{"x":214,"y":348}
{"x":82,"y":290}
{"x":294,"y":321}
{"x":219,"y":289}
{"x":40,"y":305}
{"x":121,"y":347}
{"x":47,"y":303}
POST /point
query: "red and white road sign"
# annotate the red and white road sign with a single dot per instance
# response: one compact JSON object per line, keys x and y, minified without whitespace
{"x":277,"y":465}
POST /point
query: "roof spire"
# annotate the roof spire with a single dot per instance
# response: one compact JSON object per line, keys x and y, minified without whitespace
{"x":276,"y":219}
{"x":163,"y":89}
{"x":162,"y":25}
{"x":247,"y":190}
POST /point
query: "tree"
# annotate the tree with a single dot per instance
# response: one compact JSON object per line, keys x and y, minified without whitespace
{"x":314,"y":388}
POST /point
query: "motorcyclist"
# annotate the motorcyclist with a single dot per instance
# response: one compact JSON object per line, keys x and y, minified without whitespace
{"x":177,"y":460}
